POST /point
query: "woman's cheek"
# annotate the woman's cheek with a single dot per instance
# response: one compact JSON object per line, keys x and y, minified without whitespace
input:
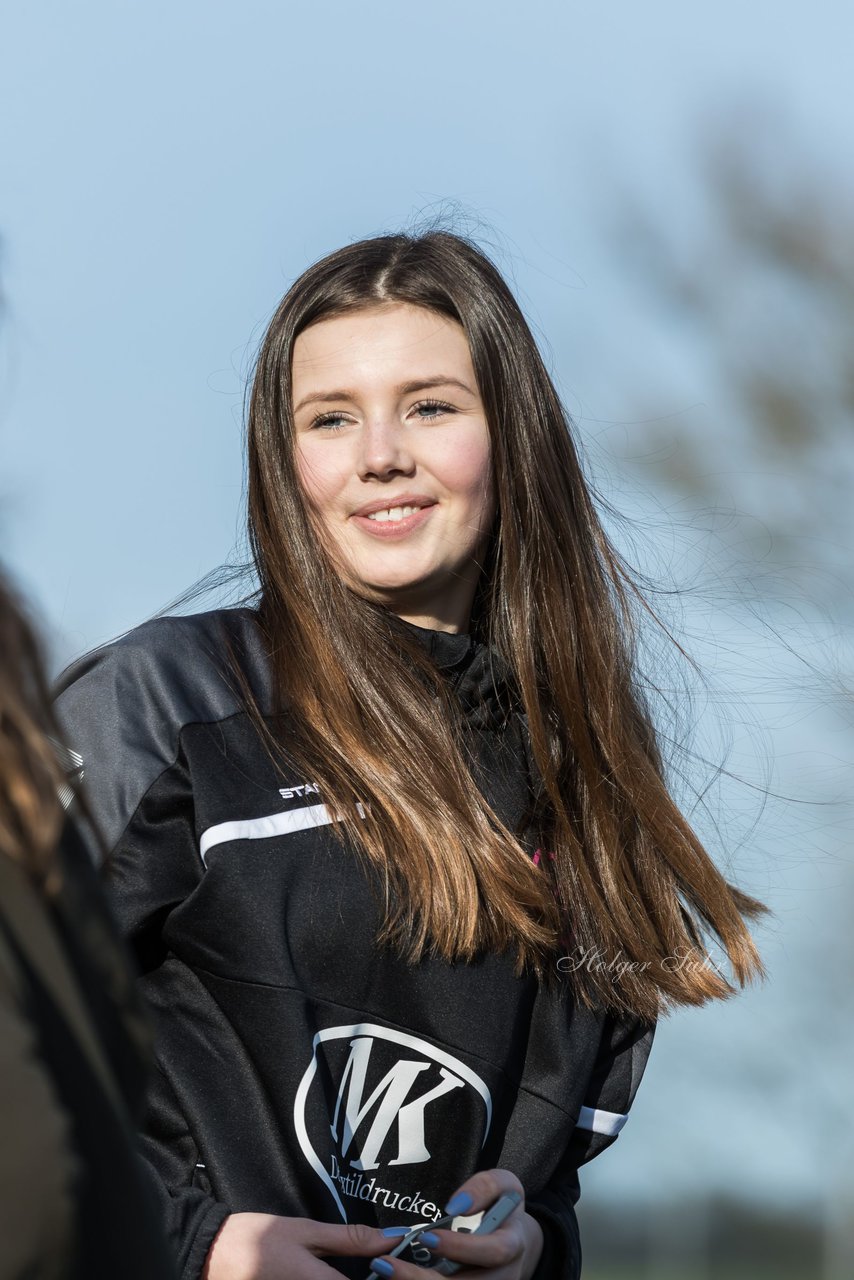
{"x":322,"y":474}
{"x":465,"y":466}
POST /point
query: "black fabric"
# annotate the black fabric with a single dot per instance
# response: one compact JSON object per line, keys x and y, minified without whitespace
{"x":116,"y":1216}
{"x":303,"y":1070}
{"x":479,"y":677}
{"x":103,"y":969}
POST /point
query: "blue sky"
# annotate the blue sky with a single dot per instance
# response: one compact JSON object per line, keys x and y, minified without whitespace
{"x":168,"y":169}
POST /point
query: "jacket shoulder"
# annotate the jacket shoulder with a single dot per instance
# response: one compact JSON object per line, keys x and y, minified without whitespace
{"x":184,"y":665}
{"x":122,"y":707}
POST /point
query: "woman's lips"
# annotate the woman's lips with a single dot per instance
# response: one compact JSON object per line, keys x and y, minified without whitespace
{"x":393,"y":528}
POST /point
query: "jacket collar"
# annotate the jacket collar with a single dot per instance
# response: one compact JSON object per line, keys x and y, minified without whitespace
{"x":478,"y":675}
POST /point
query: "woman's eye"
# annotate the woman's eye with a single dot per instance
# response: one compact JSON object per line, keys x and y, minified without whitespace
{"x":435,"y":408}
{"x":332,"y":421}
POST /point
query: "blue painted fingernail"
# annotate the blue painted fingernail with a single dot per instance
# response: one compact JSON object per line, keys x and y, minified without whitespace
{"x":382,"y":1267}
{"x":396,"y":1231}
{"x":429,"y":1238}
{"x":459,"y":1203}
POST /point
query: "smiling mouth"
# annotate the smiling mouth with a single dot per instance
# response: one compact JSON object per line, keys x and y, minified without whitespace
{"x":394,"y":522}
{"x":392,"y":514}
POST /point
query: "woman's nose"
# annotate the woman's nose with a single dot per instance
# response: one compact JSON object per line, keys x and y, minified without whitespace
{"x":384,"y":447}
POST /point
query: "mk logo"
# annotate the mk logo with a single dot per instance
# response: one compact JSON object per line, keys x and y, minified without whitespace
{"x":390,"y":1094}
{"x":378,"y":1094}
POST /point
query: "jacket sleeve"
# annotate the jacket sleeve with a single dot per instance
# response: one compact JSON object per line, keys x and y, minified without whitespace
{"x":179,"y":1182}
{"x":123,"y":727}
{"x":620,"y":1064}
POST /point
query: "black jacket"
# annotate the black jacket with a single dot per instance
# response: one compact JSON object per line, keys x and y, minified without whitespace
{"x":303,"y":1071}
{"x":75,"y":1200}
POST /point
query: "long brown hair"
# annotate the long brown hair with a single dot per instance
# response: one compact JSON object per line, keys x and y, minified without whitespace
{"x":378,"y":730}
{"x":31,"y":774}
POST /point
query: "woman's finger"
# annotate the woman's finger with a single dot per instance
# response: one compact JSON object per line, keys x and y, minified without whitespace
{"x":494,"y":1251}
{"x":481,"y":1190}
{"x":489,"y":1257}
{"x":478,"y":1194}
{"x":497,"y":1249}
{"x":268,"y":1247}
{"x":341,"y":1239}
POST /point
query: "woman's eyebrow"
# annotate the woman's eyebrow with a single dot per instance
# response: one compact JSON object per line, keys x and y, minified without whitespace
{"x":404,"y":389}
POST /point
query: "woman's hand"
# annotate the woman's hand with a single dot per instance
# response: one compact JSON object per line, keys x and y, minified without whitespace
{"x":262,"y":1246}
{"x":511,"y":1252}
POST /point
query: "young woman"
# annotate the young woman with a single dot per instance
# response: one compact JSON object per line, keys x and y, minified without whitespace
{"x":393,"y":846}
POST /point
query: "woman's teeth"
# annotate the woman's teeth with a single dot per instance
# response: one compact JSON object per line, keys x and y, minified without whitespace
{"x":393,"y":513}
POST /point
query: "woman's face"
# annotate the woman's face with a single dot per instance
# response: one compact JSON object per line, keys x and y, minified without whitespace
{"x":393,"y":453}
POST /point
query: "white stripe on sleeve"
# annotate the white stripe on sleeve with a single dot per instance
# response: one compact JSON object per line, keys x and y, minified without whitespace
{"x":607,"y":1122}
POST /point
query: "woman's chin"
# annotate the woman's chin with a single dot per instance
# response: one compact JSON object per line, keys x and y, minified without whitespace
{"x":395,"y":583}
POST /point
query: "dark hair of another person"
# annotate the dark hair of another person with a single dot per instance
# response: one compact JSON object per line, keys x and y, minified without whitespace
{"x":628,"y":875}
{"x":31,"y":775}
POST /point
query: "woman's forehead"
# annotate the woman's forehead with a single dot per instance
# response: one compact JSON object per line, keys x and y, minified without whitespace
{"x":389,"y":339}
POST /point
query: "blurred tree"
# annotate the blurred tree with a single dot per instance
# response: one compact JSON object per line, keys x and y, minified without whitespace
{"x":767,"y":287}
